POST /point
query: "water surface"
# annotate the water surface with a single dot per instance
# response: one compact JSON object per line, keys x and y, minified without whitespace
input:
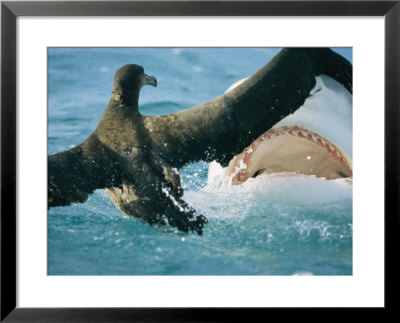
{"x":291,"y":228}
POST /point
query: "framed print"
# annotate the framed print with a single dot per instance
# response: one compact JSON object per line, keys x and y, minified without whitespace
{"x":230,"y":213}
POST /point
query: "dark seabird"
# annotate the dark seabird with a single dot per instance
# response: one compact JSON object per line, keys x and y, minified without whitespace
{"x":136,"y":158}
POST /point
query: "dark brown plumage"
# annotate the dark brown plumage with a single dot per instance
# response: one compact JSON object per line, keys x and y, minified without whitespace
{"x":136,"y":158}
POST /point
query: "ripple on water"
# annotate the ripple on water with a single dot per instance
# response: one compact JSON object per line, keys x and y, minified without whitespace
{"x":276,"y":229}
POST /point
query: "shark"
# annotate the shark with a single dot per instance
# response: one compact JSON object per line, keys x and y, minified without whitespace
{"x":316,"y":140}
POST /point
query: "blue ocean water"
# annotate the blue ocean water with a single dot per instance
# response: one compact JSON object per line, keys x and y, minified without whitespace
{"x":290,"y":233}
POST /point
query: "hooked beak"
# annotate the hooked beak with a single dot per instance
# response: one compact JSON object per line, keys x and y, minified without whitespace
{"x":150,"y":80}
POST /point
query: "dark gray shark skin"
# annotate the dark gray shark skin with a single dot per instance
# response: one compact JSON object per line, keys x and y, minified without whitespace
{"x":136,"y":158}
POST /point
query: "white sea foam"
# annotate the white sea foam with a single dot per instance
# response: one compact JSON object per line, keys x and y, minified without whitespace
{"x":284,"y":188}
{"x":299,"y":190}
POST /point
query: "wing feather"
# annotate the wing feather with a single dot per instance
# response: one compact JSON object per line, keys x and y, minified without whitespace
{"x":75,"y":173}
{"x":223,"y":127}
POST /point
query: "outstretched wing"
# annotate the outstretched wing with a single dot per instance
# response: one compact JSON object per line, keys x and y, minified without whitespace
{"x":75,"y":173}
{"x":140,"y":184}
{"x":223,"y":127}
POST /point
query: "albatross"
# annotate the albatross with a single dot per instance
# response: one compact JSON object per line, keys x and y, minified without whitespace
{"x":137,"y":158}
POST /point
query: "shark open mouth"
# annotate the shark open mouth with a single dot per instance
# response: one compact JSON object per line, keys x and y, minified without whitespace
{"x":289,"y":150}
{"x":316,"y":140}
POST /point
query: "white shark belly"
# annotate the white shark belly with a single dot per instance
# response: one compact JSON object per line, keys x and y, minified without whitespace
{"x":328,"y":112}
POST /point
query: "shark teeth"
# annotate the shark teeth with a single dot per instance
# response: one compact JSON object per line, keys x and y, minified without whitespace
{"x":240,"y":175}
{"x":303,"y":133}
{"x":297,"y":132}
{"x":314,"y":137}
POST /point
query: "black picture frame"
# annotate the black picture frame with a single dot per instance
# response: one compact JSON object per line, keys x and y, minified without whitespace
{"x":10,"y":10}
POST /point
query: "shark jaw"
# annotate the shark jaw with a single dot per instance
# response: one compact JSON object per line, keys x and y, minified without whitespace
{"x":289,"y":150}
{"x":315,"y":141}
